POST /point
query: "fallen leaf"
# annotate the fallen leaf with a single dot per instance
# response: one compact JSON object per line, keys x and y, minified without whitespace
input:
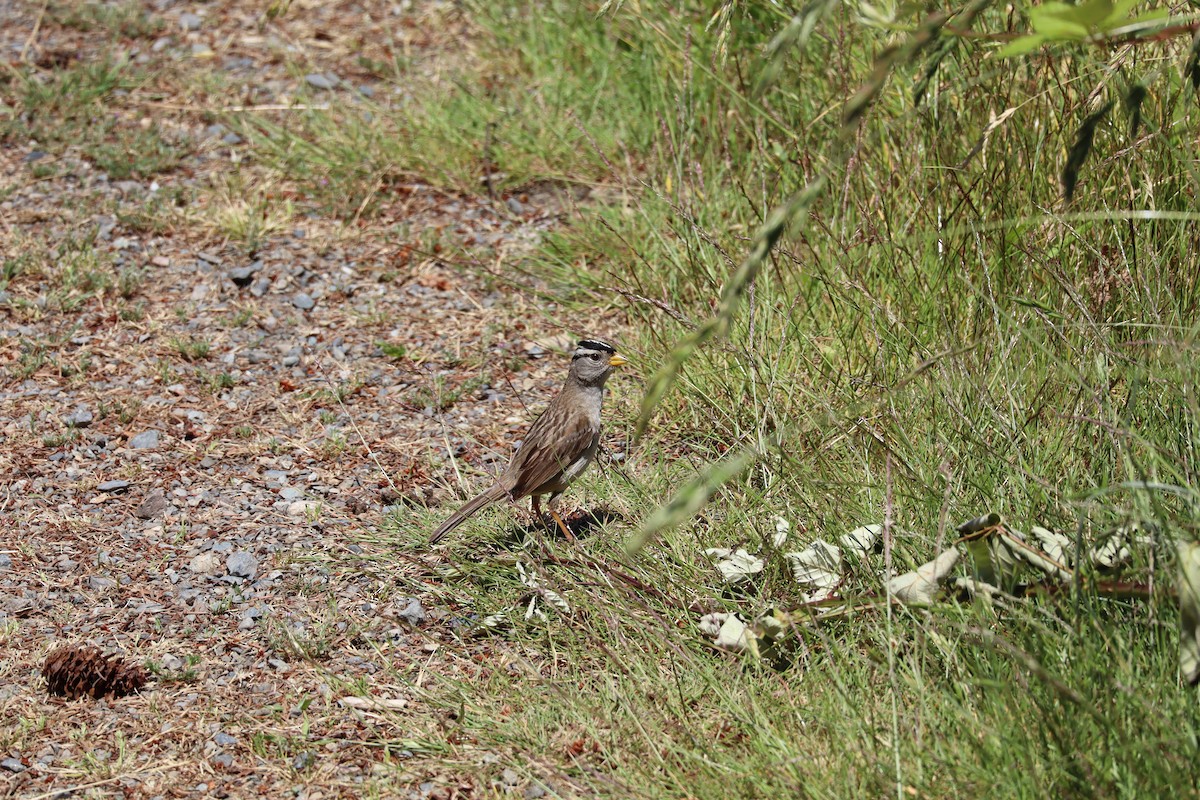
{"x":920,"y":586}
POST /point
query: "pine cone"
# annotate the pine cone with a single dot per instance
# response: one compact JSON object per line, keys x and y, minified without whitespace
{"x":81,"y":671}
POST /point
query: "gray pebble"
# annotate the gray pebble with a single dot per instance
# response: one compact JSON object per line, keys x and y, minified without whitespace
{"x":171,"y":663}
{"x":414,"y":612}
{"x":153,"y":506}
{"x":12,"y":765}
{"x":113,"y":487}
{"x":242,"y":565}
{"x":5,"y":561}
{"x":79,"y":418}
{"x":515,"y":206}
{"x":534,"y":791}
{"x":322,"y":80}
{"x":146,"y":440}
{"x":302,"y":301}
{"x":100,"y":583}
{"x":510,"y":777}
{"x":242,"y":276}
{"x":290,"y":493}
{"x":205,"y":564}
{"x":222,"y":760}
{"x":223,"y":739}
{"x":231,"y":138}
{"x":190,"y":22}
{"x":303,"y":761}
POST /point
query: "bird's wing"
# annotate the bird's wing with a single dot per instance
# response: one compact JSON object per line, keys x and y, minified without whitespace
{"x":554,"y":442}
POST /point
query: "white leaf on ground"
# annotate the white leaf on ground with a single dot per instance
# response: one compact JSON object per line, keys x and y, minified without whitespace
{"x":557,"y":600}
{"x":817,"y":567}
{"x":920,"y":586}
{"x":1054,"y":545}
{"x":494,"y":621}
{"x":1036,"y":557}
{"x":782,"y":528}
{"x":533,"y":611}
{"x":735,"y":566}
{"x":710,"y":624}
{"x":728,"y":632}
{"x":1189,"y":611}
{"x":861,"y":541}
{"x":977,"y":588}
{"x":771,"y":627}
{"x":1111,"y":552}
{"x":735,"y":636}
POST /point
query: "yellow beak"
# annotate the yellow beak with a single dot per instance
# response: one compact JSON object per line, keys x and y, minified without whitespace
{"x":617,"y":360}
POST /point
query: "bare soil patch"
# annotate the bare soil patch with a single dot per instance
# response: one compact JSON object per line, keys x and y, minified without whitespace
{"x":212,"y":395}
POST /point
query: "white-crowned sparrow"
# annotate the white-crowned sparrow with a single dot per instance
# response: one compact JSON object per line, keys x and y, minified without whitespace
{"x":560,"y":443}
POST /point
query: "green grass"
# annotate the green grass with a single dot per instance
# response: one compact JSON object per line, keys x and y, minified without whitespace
{"x":936,"y":336}
{"x":83,"y":106}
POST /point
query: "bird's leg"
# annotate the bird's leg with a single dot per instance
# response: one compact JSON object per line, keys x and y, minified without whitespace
{"x":537,"y":507}
{"x":562,"y":525}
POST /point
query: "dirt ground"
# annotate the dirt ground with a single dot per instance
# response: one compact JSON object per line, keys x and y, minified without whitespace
{"x":201,"y":441}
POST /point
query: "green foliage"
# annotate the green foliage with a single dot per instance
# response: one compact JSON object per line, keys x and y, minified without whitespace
{"x":1089,"y":20}
{"x":850,"y":257}
{"x":81,"y":106}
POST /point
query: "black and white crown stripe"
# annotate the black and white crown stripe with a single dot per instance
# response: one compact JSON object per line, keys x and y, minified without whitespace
{"x":594,"y":344}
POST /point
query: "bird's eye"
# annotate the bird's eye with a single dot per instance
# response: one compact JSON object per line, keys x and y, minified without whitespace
{"x":594,"y":356}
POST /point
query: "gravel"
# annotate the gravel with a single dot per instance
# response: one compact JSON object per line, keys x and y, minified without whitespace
{"x":220,"y":516}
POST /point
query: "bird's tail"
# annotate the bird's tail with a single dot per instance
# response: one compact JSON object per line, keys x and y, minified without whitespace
{"x":459,"y":517}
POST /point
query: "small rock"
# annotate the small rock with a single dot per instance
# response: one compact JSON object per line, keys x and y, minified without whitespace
{"x":146,"y":440}
{"x":99,"y":583}
{"x":414,"y":612}
{"x":242,"y":276}
{"x":5,"y":562}
{"x":534,"y":791}
{"x":515,"y":206}
{"x":303,"y":761}
{"x":302,"y":508}
{"x":223,"y":739}
{"x":290,"y":493}
{"x":241,"y":565}
{"x":231,"y":139}
{"x":205,"y":564}
{"x":222,"y":760}
{"x":171,"y":663}
{"x":113,"y":487}
{"x":153,"y":506}
{"x":302,"y":301}
{"x":12,"y":765}
{"x":322,"y":80}
{"x":35,"y":155}
{"x":81,"y":417}
{"x":510,"y":777}
{"x":190,"y":22}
